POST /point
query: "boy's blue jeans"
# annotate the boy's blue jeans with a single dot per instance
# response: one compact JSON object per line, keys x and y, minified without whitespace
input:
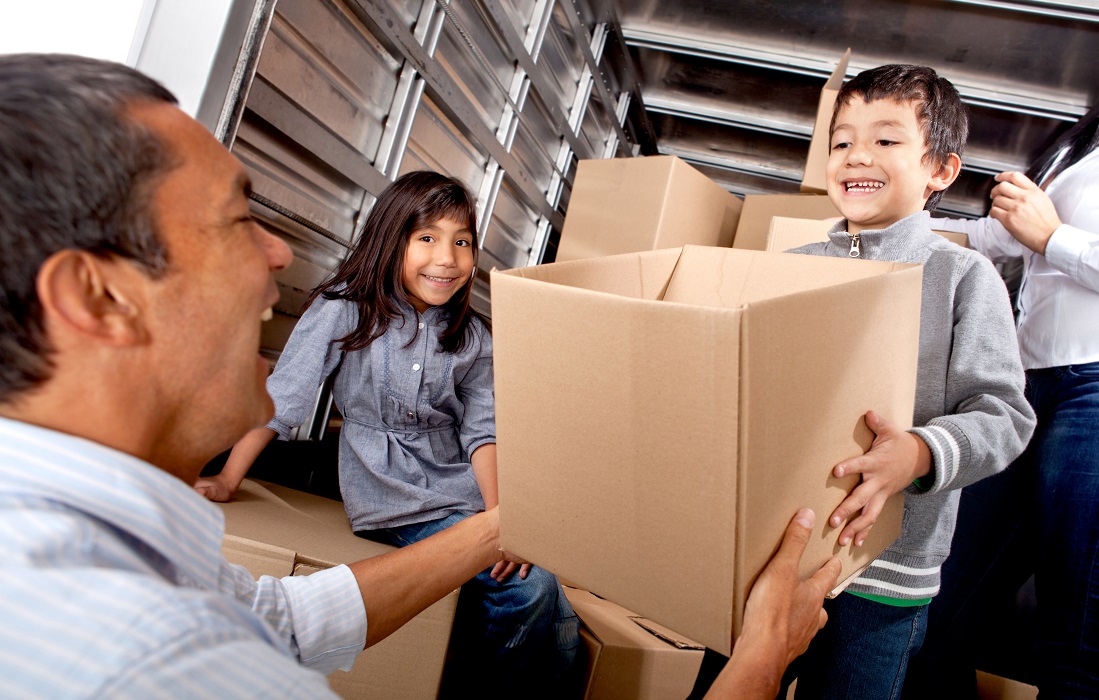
{"x":862,"y":652}
{"x":520,"y":630}
{"x":1041,"y":517}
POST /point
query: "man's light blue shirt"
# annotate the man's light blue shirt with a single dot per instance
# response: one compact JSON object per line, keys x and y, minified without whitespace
{"x":112,"y":584}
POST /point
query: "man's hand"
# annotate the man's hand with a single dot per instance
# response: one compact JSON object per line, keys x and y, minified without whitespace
{"x":782,"y":616}
{"x":895,"y":460}
{"x":1025,"y":210}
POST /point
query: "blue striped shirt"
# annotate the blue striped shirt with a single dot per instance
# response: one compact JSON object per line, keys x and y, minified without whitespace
{"x":112,"y":584}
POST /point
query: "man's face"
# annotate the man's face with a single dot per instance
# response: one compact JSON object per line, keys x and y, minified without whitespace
{"x":877,"y":173}
{"x":205,"y":313}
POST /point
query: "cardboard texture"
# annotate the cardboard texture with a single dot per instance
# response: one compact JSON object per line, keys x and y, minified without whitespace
{"x":670,"y":411}
{"x":630,"y":658}
{"x":627,"y":205}
{"x":273,"y":530}
{"x":813,"y":180}
{"x":759,"y":209}
{"x":788,"y":233}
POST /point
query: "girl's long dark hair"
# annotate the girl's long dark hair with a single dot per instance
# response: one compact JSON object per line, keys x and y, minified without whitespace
{"x":370,"y":276}
{"x":1067,"y":149}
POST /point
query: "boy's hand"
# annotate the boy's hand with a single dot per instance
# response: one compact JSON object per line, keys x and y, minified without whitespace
{"x":895,"y":460}
{"x":1025,"y":210}
{"x":507,"y":566}
{"x":214,"y":488}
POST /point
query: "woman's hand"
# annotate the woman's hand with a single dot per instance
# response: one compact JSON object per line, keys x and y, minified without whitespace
{"x":1025,"y":210}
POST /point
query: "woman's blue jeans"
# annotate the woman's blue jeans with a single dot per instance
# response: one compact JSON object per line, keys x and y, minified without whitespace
{"x":518,"y":630}
{"x":1040,"y":517}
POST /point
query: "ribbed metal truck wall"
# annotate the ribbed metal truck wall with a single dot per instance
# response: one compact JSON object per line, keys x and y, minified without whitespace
{"x":333,"y":99}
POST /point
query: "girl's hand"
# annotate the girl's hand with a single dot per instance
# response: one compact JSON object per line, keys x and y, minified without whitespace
{"x":893,"y":462}
{"x":214,"y":488}
{"x":1025,"y":210}
{"x":507,"y":565}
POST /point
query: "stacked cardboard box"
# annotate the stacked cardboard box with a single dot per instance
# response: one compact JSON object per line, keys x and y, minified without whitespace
{"x":627,"y":205}
{"x":276,"y":531}
{"x":627,"y":657}
{"x":670,"y":411}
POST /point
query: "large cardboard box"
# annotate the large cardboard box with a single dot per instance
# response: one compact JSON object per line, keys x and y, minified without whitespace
{"x":626,"y":205}
{"x":666,"y":413}
{"x":276,"y":531}
{"x":630,"y":658}
{"x":759,"y":209}
{"x":813,"y":180}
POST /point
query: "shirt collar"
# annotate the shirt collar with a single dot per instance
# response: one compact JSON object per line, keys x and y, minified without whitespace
{"x":140,"y":500}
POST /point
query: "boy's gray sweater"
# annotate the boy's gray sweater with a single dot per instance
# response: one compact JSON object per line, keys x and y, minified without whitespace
{"x":970,"y":407}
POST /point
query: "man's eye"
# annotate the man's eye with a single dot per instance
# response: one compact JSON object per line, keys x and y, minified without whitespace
{"x":464,"y":243}
{"x":838,"y":146}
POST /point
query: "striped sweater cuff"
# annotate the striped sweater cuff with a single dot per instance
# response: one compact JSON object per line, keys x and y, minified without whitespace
{"x":949,"y":449}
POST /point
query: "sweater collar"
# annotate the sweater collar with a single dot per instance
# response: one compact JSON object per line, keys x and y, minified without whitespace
{"x":904,"y":241}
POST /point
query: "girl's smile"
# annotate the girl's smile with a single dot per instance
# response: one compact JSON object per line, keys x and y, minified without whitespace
{"x":437,"y":263}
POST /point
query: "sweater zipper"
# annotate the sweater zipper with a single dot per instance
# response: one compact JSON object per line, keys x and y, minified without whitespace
{"x":854,"y":252}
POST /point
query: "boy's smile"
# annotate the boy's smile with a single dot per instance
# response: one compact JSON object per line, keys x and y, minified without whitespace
{"x":877,"y":172}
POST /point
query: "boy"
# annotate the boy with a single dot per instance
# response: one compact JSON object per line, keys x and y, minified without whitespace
{"x":896,"y":135}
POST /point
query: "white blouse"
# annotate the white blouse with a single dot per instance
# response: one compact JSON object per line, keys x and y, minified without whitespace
{"x":1059,"y":295}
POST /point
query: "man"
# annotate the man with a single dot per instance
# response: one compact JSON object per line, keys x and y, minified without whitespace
{"x":134,"y":283}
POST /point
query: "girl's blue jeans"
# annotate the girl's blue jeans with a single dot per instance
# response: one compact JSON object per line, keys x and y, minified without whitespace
{"x":1040,"y":517}
{"x":520,"y":630}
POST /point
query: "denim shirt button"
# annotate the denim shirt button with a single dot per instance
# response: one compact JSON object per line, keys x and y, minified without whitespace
{"x":416,"y":367}
{"x":411,"y":415}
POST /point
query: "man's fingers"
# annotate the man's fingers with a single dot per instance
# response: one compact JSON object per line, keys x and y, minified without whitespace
{"x":826,"y":577}
{"x":797,"y":535}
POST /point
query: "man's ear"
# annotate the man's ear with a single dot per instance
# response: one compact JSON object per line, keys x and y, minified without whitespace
{"x":90,"y":296}
{"x":946,"y":174}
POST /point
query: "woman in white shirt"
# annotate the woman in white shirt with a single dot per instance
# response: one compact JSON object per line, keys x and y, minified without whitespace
{"x":1041,"y":516}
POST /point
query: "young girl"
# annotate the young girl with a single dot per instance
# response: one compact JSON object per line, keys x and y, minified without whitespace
{"x":413,"y":383}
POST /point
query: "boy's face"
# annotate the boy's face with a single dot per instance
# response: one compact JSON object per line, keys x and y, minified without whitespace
{"x":877,"y":173}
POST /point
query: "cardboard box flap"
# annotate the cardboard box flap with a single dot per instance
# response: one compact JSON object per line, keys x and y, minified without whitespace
{"x":730,"y":278}
{"x":250,"y":515}
{"x":259,"y":558}
{"x":626,"y":659}
{"x":637,"y":276}
{"x":835,"y":81}
{"x":665,"y":634}
{"x":813,"y":179}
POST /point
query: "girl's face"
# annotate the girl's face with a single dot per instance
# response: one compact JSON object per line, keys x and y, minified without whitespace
{"x":438,"y":262}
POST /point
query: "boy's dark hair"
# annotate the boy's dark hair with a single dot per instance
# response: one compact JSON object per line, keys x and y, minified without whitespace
{"x":75,"y":173}
{"x":939,"y":109}
{"x":370,"y":276}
